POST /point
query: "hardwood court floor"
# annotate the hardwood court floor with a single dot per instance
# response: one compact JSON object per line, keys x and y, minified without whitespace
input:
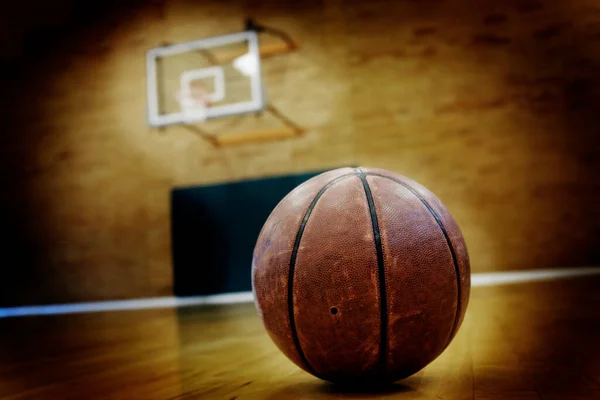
{"x":523,"y":341}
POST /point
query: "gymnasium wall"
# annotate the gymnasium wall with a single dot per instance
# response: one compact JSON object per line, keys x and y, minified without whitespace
{"x":493,"y":106}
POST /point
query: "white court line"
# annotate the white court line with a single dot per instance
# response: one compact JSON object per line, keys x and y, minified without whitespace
{"x":504,"y":278}
{"x":481,"y":279}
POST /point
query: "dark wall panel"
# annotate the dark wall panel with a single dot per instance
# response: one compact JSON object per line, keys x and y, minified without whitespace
{"x":215,"y":229}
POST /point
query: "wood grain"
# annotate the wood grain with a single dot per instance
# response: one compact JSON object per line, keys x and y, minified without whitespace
{"x":527,"y":341}
{"x":493,"y":106}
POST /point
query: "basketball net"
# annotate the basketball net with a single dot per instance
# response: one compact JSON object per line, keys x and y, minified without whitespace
{"x":194,"y":103}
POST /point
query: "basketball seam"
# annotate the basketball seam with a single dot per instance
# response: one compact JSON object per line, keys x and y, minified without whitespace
{"x":292,"y":268}
{"x":448,"y":241}
{"x":383,"y":309}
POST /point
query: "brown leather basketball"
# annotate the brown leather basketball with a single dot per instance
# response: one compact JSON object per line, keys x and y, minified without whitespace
{"x":361,"y":275}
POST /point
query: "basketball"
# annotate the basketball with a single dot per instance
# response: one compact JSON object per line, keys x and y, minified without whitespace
{"x":361,"y":275}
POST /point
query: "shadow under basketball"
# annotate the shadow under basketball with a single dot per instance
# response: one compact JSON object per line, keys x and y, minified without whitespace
{"x":365,"y":388}
{"x":322,"y":389}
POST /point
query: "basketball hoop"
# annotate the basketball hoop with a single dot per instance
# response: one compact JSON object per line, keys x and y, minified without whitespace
{"x":194,"y":103}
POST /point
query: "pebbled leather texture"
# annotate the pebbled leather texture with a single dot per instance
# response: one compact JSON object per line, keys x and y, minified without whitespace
{"x":361,"y":274}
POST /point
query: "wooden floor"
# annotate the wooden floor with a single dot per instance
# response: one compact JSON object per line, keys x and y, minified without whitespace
{"x":524,"y":341}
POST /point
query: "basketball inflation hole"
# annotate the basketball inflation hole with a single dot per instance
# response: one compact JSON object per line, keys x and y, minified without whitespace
{"x":334,"y":310}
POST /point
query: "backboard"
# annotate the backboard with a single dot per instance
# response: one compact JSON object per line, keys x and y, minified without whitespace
{"x":204,"y":79}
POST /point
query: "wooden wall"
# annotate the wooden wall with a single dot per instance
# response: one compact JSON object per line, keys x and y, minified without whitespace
{"x":493,"y":106}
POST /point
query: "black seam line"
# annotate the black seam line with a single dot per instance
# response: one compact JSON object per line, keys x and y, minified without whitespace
{"x":383,"y":309}
{"x":293,"y":267}
{"x":448,"y":241}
